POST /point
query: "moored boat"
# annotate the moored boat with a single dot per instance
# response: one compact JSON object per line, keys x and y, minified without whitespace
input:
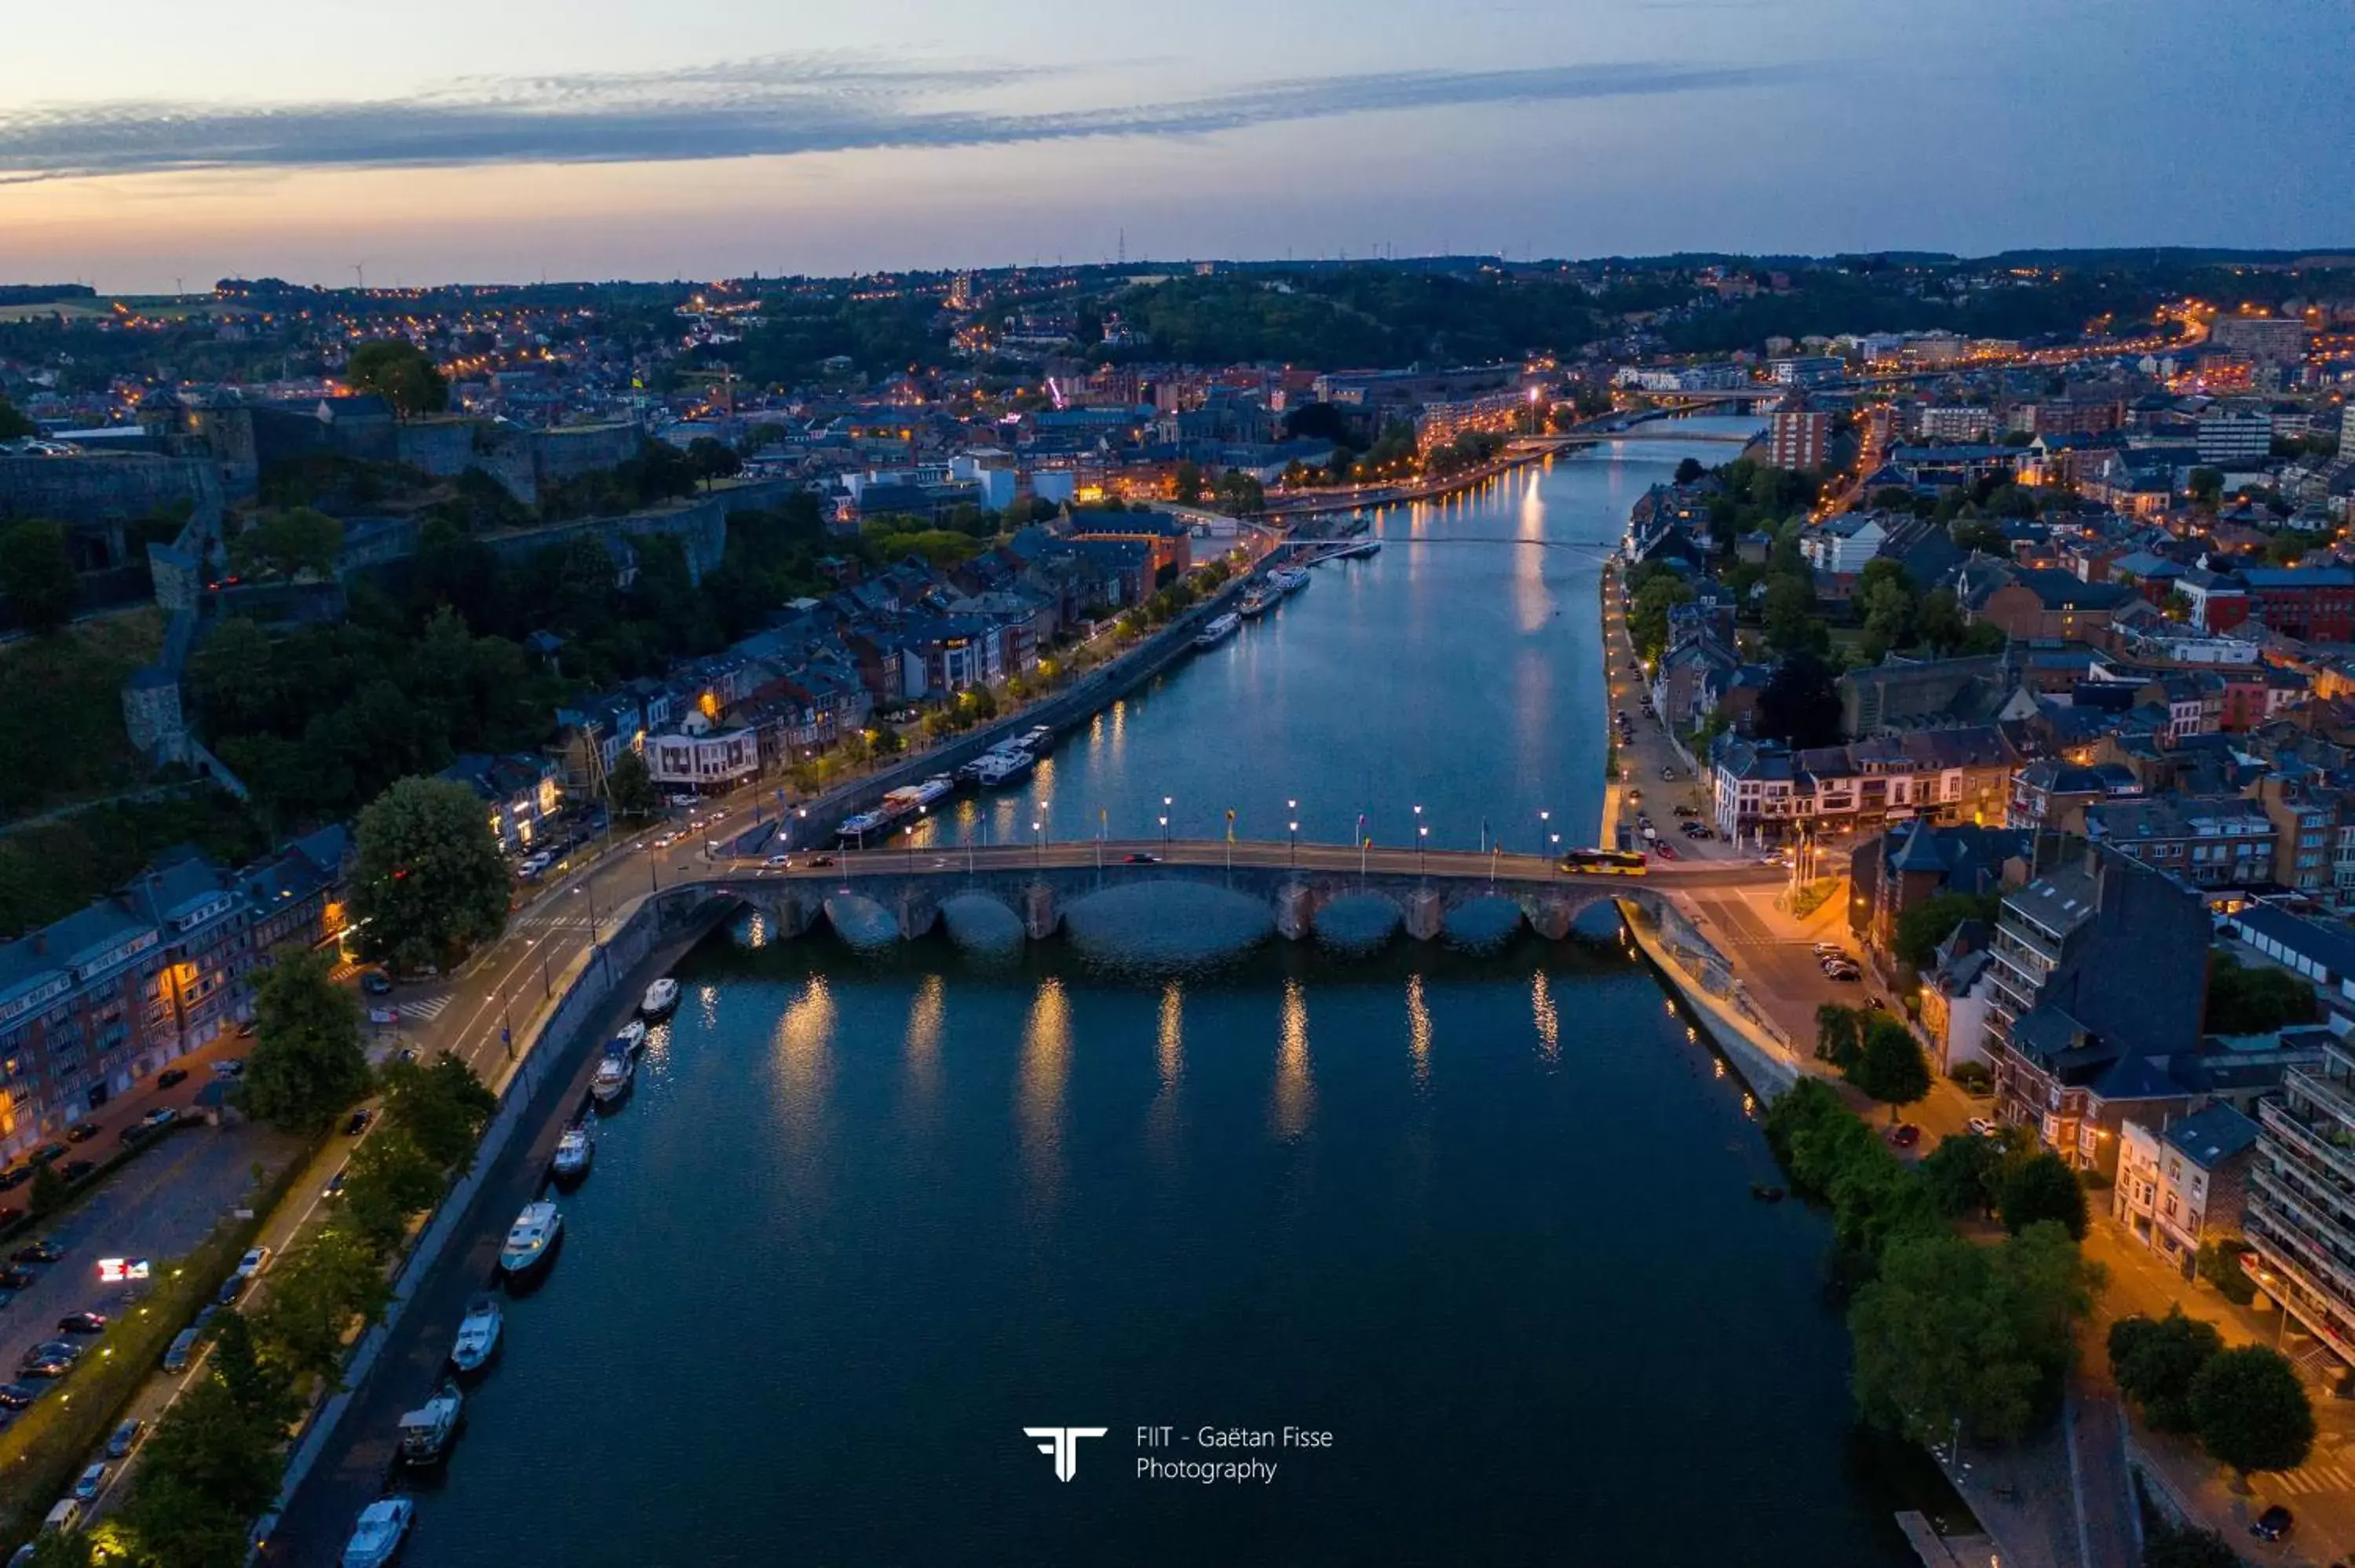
{"x":1362,"y":548}
{"x":1254,"y":603}
{"x":1288,"y":580}
{"x":377,"y":1536}
{"x":859,"y":829}
{"x":615,"y":1073}
{"x":630,"y":1037}
{"x":1003,"y":765}
{"x":1038,"y":740}
{"x":1219,"y":630}
{"x":426,"y":1431}
{"x":660,"y":998}
{"x":531,"y":1237}
{"x":478,"y":1335}
{"x":574,"y":1151}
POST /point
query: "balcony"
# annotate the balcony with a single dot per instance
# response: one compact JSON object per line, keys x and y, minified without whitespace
{"x":2286,"y":1255}
{"x":2314,"y":1138}
{"x":2297,"y":1215}
{"x":2330,"y":1097}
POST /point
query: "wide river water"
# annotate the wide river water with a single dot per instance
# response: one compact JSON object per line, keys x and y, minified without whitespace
{"x":1479,"y":1211}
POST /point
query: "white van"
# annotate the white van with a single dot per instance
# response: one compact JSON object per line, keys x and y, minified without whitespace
{"x":62,"y":1518}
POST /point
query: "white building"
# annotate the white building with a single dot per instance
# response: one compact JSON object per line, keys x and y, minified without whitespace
{"x":703,"y":756}
{"x":1843,"y":545}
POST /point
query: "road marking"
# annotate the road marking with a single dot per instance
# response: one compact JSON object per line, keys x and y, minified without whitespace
{"x":2311,"y":1478}
{"x":429,"y":1007}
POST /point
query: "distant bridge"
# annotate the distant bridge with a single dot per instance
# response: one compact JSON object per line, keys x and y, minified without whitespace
{"x":1035,"y":882}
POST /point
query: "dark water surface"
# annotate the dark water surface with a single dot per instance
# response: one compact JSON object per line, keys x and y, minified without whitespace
{"x":1482,"y":1216}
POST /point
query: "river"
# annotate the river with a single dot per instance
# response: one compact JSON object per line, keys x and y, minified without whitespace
{"x":1478,"y":1210}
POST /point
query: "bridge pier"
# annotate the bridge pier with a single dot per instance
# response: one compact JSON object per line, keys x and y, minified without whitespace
{"x":1550,"y":917}
{"x":1040,"y":913}
{"x":1295,"y":911}
{"x":918,"y":912}
{"x":1424,"y":914}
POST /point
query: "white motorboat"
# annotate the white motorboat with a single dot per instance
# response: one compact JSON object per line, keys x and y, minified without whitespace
{"x":382,"y":1526}
{"x":615,"y":1073}
{"x":660,"y":998}
{"x":1254,"y":603}
{"x":478,"y":1335}
{"x":1288,"y":580}
{"x":574,"y":1150}
{"x":1219,"y":630}
{"x":631,"y":1037}
{"x":532,"y":1236}
{"x":426,"y":1432}
{"x":859,"y":829}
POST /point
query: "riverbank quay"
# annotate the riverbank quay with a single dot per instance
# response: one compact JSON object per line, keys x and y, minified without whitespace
{"x":340,"y":1459}
{"x":1310,"y":502}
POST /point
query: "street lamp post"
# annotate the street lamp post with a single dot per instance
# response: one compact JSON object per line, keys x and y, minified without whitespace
{"x":1164,"y":821}
{"x":1037,"y":843}
{"x":1293,"y":829}
{"x":1545,"y":819}
{"x":1421,"y":843}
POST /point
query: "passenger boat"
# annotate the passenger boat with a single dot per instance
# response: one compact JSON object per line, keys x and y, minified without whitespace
{"x":478,"y":1335}
{"x":939,"y":786}
{"x":574,"y":1150}
{"x":1254,"y":603}
{"x":1038,"y":740}
{"x":1362,"y":548}
{"x":660,"y":998}
{"x":615,"y":1075}
{"x":376,"y":1539}
{"x":531,"y":1236}
{"x":1288,"y":580}
{"x":426,"y":1431}
{"x":859,"y":829}
{"x":1219,"y":630}
{"x":632,"y":1037}
{"x":1003,"y":766}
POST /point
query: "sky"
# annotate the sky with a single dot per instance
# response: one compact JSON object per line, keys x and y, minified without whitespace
{"x":151,"y":147}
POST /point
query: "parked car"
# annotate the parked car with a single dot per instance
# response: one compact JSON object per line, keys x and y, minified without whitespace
{"x":49,"y":1153}
{"x":81,"y":1132}
{"x":375,"y":982}
{"x":17,"y":1279}
{"x":171,"y":1076}
{"x":45,"y":1364}
{"x":161,"y":1116}
{"x":183,"y":1346}
{"x":82,"y":1323}
{"x":92,"y":1482}
{"x":357,"y":1122}
{"x":15,"y":1178}
{"x":255,"y":1260}
{"x":1829,"y":950}
{"x":19,"y":1397}
{"x":1905,"y":1135}
{"x":75,"y":1170}
{"x":1664,"y":849}
{"x":39,"y":1250}
{"x":335,"y":1187}
{"x":1979,"y":1127}
{"x":125,"y":1437}
{"x":1687,"y":810}
{"x":2273,"y":1524}
{"x":135,"y":1134}
{"x":229,"y":1067}
{"x":1847,"y":974}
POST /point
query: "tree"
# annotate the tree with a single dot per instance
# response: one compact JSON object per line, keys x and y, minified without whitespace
{"x":398,"y":372}
{"x":2219,"y":1263}
{"x":1647,"y":617}
{"x":2042,"y":1188}
{"x":1688,"y":470}
{"x":208,"y":1471}
{"x":387,"y":1179}
{"x":36,"y":575}
{"x":2158,"y":1361}
{"x":1981,"y":534}
{"x":316,"y":1293}
{"x":1886,"y":601}
{"x":1954,"y":1331}
{"x":1890,"y":1065}
{"x":1792,"y":623}
{"x":428,"y":883}
{"x":14,"y":426}
{"x":2244,"y":1001}
{"x":1923,"y":925}
{"x":713,"y":459}
{"x":1799,"y":704}
{"x":629,"y":787}
{"x":2250,"y":1412}
{"x":290,"y":542}
{"x":49,"y":1192}
{"x":2164,"y":1546}
{"x":1839,"y":1033}
{"x":1962,"y":1175}
{"x":307,"y":1063}
{"x":1187,"y":486}
{"x":442,"y":1108}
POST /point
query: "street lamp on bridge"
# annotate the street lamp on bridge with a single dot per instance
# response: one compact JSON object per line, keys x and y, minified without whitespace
{"x":1421,"y":843}
{"x":1544,"y":819}
{"x":1038,"y":843}
{"x":1293,"y":828}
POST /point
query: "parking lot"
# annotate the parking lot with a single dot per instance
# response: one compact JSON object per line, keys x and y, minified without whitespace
{"x":156,"y":1207}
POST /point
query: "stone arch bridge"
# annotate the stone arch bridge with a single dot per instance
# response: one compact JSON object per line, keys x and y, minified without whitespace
{"x":1037,"y":883}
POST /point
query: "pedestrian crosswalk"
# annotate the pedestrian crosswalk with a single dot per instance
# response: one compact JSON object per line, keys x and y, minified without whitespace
{"x":2308,"y":1479}
{"x":549,"y":922}
{"x":424,"y":1007}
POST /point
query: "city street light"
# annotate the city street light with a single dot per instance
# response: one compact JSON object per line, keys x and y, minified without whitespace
{"x":1037,"y":843}
{"x":1544,"y":819}
{"x":1294,"y":830}
{"x":1421,"y":841}
{"x":1164,"y":831}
